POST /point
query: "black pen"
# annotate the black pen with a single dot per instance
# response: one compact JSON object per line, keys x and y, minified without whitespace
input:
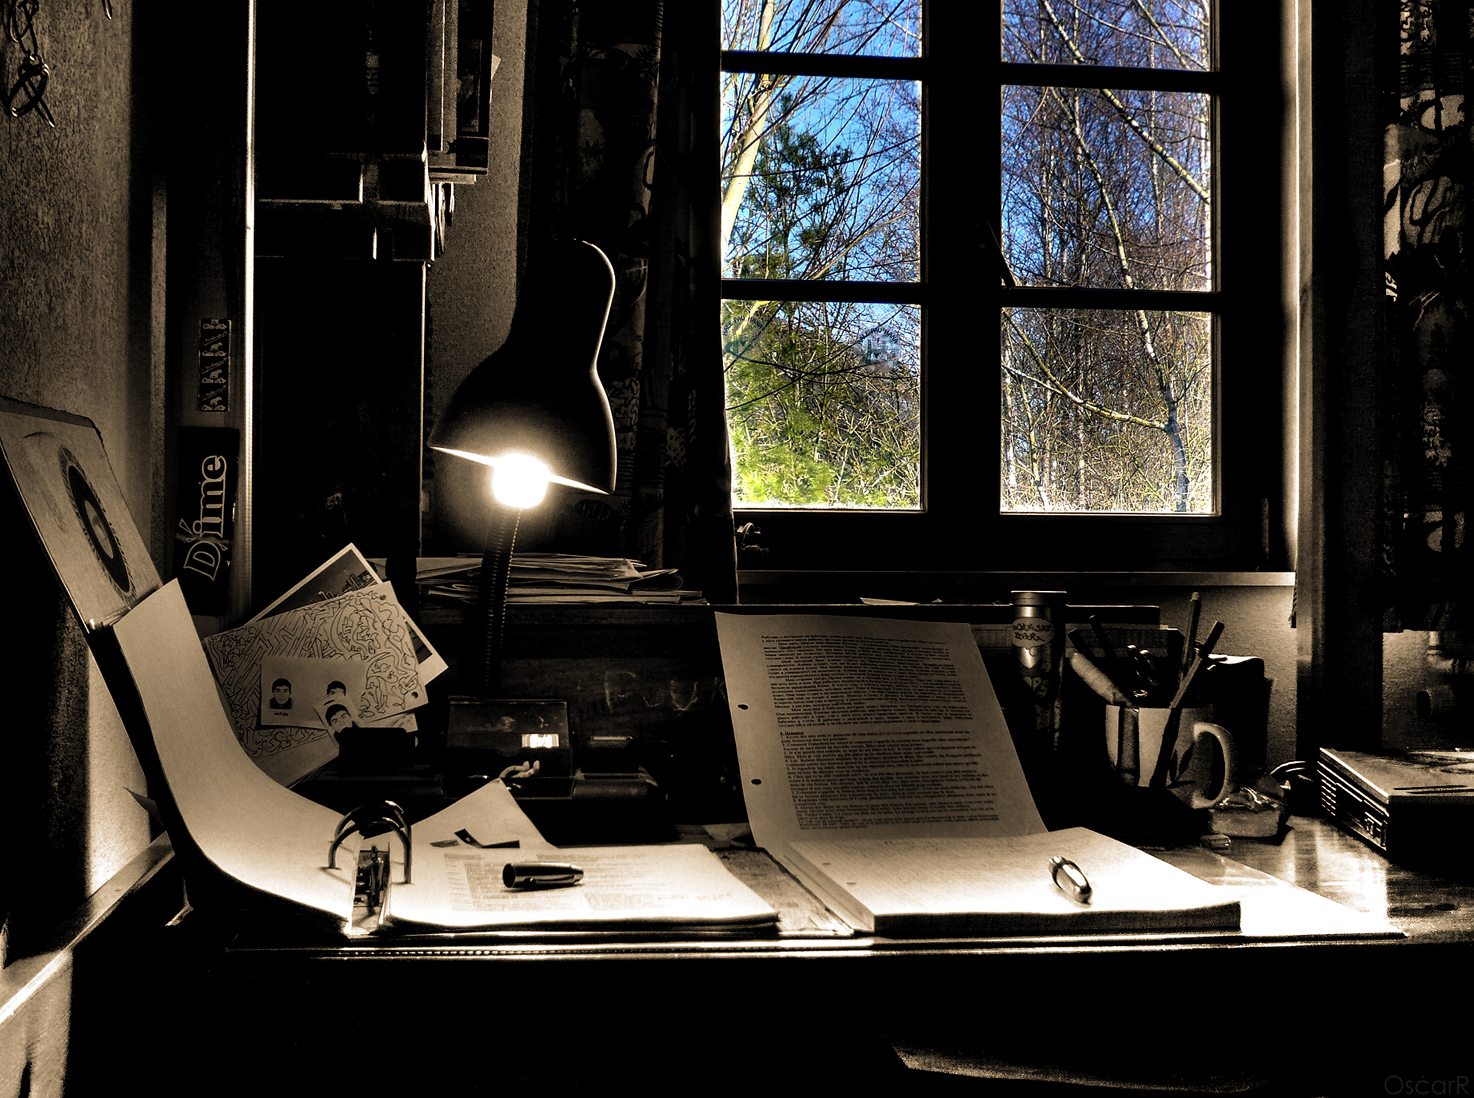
{"x":1107,"y":649}
{"x":540,"y":874}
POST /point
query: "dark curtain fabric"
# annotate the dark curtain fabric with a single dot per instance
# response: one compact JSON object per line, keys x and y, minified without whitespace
{"x":1430,"y":444}
{"x":618,"y":155}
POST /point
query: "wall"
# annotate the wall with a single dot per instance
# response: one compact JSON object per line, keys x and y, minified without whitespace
{"x":1407,"y":673}
{"x":470,"y":290}
{"x":81,"y":329}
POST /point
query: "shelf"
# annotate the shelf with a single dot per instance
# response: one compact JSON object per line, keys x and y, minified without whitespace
{"x":358,"y":146}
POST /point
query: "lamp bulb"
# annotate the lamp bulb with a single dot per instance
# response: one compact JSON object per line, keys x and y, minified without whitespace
{"x":520,"y":481}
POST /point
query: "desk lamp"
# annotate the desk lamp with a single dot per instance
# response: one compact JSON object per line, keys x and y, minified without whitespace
{"x":535,"y":413}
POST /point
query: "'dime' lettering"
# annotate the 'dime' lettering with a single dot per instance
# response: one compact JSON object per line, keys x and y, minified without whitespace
{"x":204,"y":557}
{"x":211,"y":522}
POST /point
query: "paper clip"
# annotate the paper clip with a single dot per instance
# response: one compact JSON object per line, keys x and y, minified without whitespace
{"x":365,"y":815}
{"x":1076,"y":885}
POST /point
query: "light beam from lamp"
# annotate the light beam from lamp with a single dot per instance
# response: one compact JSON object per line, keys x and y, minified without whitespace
{"x":535,"y":412}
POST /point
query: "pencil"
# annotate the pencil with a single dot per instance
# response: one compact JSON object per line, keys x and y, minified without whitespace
{"x":1169,"y":734}
{"x":1210,"y":641}
{"x":1194,"y":610}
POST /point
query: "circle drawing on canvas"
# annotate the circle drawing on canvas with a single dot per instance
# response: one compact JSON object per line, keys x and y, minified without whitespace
{"x":95,"y":523}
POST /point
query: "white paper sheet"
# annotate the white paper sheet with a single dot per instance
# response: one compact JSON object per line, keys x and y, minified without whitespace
{"x":1005,"y":885}
{"x":623,"y":887}
{"x":869,"y":728}
{"x":255,"y":831}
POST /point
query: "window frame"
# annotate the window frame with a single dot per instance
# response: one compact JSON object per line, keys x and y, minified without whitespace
{"x":959,"y":525}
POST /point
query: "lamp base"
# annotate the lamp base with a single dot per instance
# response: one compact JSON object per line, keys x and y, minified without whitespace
{"x":491,"y":736}
{"x":527,"y":740}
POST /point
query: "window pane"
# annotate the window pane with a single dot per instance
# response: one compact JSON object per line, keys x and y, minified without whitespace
{"x":873,"y":28}
{"x":1163,"y":34}
{"x":1107,"y":188}
{"x":823,"y":403}
{"x":1107,"y":411}
{"x":820,"y":178}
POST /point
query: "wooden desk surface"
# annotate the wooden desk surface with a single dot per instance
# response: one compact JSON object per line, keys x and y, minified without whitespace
{"x":1316,"y":855}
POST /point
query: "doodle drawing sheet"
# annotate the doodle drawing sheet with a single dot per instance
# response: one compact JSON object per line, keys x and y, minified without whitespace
{"x":367,"y":625}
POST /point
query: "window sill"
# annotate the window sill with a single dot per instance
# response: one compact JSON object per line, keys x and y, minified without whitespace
{"x":1032,"y":580}
{"x":774,"y":585}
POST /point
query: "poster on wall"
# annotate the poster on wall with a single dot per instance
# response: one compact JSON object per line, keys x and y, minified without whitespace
{"x":1428,"y":471}
{"x":66,"y":483}
{"x":214,"y":394}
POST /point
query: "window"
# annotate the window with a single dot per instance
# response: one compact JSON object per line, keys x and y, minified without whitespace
{"x":1046,"y":336}
{"x":821,"y":203}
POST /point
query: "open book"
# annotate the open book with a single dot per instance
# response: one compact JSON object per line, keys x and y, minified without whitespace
{"x":878,"y":768}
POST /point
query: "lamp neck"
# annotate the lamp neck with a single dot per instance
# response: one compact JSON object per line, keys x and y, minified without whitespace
{"x":496,"y":571}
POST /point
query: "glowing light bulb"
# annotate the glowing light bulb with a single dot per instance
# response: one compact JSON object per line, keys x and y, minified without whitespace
{"x":518,"y":480}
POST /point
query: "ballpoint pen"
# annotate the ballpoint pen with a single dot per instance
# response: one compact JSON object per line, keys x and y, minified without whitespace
{"x":1075,"y":885}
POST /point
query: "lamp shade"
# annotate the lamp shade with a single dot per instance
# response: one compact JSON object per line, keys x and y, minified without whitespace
{"x":539,"y":394}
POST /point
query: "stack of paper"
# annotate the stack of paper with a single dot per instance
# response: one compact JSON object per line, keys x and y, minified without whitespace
{"x":552,"y":578}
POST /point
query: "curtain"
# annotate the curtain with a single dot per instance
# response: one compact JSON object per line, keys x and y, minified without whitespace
{"x":619,"y":160}
{"x":1430,"y":443}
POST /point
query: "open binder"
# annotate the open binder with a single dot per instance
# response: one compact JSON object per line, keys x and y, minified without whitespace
{"x":879,"y":770}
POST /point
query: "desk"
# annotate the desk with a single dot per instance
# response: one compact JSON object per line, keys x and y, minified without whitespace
{"x":1311,"y":1017}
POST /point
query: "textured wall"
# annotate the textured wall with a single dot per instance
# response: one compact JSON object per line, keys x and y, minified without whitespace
{"x":81,"y":329}
{"x":470,"y":291}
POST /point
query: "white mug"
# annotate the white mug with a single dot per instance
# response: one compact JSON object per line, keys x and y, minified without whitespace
{"x":1134,"y":741}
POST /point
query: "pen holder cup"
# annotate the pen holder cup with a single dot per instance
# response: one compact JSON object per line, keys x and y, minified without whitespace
{"x":1201,"y":768}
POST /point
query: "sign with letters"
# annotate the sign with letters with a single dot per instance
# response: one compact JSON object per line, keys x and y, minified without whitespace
{"x":205,"y":515}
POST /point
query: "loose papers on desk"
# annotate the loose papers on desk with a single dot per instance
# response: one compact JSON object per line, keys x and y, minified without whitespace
{"x":267,"y":838}
{"x":677,"y":885}
{"x":878,"y":767}
{"x":552,"y":578}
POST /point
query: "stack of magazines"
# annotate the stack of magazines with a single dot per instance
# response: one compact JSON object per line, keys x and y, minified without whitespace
{"x":554,"y":578}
